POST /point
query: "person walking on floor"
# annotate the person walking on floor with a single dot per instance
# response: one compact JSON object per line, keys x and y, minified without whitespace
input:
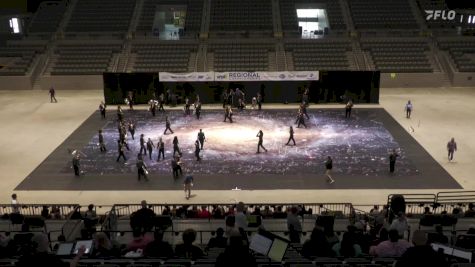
{"x":150,"y":147}
{"x":348,"y":107}
{"x":451,"y":148}
{"x":197,"y":150}
{"x":141,"y":168}
{"x":102,"y":109}
{"x":408,"y":109}
{"x":102,"y":146}
{"x":76,"y":164}
{"x":176,"y":166}
{"x":260,"y":134}
{"x":201,"y":138}
{"x":167,"y":126}
{"x":392,"y":160}
{"x":121,"y":149}
{"x":329,"y":167}
{"x":176,"y":148}
{"x":52,"y":95}
{"x":142,"y":145}
{"x":187,"y":185}
{"x":291,"y":136}
{"x":161,"y":149}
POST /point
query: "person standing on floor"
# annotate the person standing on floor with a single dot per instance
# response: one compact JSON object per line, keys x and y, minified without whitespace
{"x":121,"y":150}
{"x":167,"y":126}
{"x":187,"y":185}
{"x":329,"y":167}
{"x":348,"y":107}
{"x":260,"y":134}
{"x":52,"y":95}
{"x":142,"y":145}
{"x":301,"y":120}
{"x":102,"y":109}
{"x":228,"y":114}
{"x":259,"y":101}
{"x":197,"y":150}
{"x":150,"y":147}
{"x":201,"y":138}
{"x":197,"y":108}
{"x":161,"y":149}
{"x":451,"y":148}
{"x":176,"y":166}
{"x":392,"y":160}
{"x":132,"y":130}
{"x":120,"y":113}
{"x":408,"y":109}
{"x":176,"y":148}
{"x":161,"y":100}
{"x":76,"y":164}
{"x":291,"y":136}
{"x":102,"y":146}
{"x":141,"y":168}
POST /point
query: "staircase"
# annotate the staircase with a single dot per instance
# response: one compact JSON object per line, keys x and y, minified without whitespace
{"x":124,"y":57}
{"x":417,"y":15}
{"x":281,"y":63}
{"x":358,"y":61}
{"x":66,"y":18}
{"x":289,"y":59}
{"x":276,"y":19}
{"x":201,"y":57}
{"x":135,"y":18}
{"x":205,"y":20}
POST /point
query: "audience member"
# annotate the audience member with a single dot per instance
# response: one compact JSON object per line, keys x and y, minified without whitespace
{"x":187,"y":249}
{"x":158,"y":248}
{"x":40,"y":255}
{"x":421,"y":254}
{"x":143,"y":218}
{"x":394,"y":247}
{"x":15,"y":204}
{"x":317,"y":245}
{"x":217,"y":212}
{"x":219,"y":241}
{"x":45,"y":212}
{"x":139,"y":241}
{"x":438,"y":236}
{"x":235,"y":255}
{"x":241,"y":219}
{"x":231,"y":229}
{"x":427,"y":211}
{"x":204,"y":213}
{"x":293,"y":225}
{"x":470,"y":212}
{"x":166,"y":211}
{"x":256,"y":211}
{"x":381,"y":237}
{"x":279,"y":214}
{"x":267,"y":213}
{"x":103,"y":247}
{"x":348,"y":247}
{"x":400,"y":224}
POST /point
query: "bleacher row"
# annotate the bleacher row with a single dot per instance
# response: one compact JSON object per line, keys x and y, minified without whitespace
{"x":244,"y":15}
{"x":170,"y":57}
{"x":47,"y":18}
{"x":462,"y":54}
{"x":321,"y":55}
{"x":241,"y":57}
{"x":74,"y":223}
{"x":20,"y":56}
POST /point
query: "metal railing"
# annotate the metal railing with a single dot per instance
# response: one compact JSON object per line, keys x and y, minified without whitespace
{"x":57,"y":211}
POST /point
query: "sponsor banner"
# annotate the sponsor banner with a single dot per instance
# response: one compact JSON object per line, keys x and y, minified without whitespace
{"x":266,"y":76}
{"x":186,"y":77}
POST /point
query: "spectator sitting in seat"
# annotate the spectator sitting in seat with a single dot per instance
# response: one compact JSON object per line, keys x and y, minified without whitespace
{"x":332,"y":238}
{"x":348,"y":247}
{"x":427,"y":211}
{"x":90,"y":213}
{"x":267,"y":213}
{"x":204,"y":213}
{"x":140,"y":241}
{"x":230,"y":211}
{"x":471,"y":211}
{"x":438,"y":236}
{"x":187,"y":249}
{"x":41,"y":257}
{"x":231,"y":228}
{"x":394,"y":247}
{"x":235,"y":255}
{"x":103,"y":247}
{"x":317,"y":245}
{"x":421,"y":254}
{"x":166,"y":211}
{"x":471,"y":229}
{"x":382,"y":236}
{"x":45,"y":212}
{"x":158,"y":248}
{"x":279,"y":214}
{"x":218,"y":212}
{"x":219,"y":241}
{"x":193,"y":213}
{"x":456,"y":212}
{"x":400,"y":224}
{"x":256,"y":211}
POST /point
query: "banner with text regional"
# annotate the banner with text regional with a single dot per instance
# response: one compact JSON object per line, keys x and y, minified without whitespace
{"x":266,"y":76}
{"x":186,"y":77}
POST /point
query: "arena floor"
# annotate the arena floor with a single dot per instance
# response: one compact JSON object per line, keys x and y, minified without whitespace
{"x":33,"y":128}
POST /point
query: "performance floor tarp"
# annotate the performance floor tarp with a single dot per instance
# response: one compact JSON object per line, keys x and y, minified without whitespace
{"x":359,"y":147}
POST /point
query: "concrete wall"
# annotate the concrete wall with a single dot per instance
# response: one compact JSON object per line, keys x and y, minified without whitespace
{"x":76,"y":82}
{"x":401,"y":80}
{"x":463,"y":79}
{"x":15,"y":83}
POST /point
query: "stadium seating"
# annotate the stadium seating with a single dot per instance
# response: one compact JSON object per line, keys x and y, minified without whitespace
{"x":194,"y":11}
{"x":20,"y":55}
{"x":461,"y":51}
{"x":375,"y":14}
{"x":241,"y":57}
{"x":83,"y":59}
{"x":320,"y":54}
{"x":246,"y":15}
{"x":289,"y":14}
{"x":163,"y":56}
{"x":101,"y":16}
{"x":47,"y":18}
{"x":399,"y":55}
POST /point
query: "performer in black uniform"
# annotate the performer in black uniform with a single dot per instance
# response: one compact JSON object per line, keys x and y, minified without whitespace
{"x":176,"y":166}
{"x":76,"y":164}
{"x":187,"y":107}
{"x":102,"y":146}
{"x":121,"y":149}
{"x":348,"y":107}
{"x":153,"y":106}
{"x":197,"y":150}
{"x":120,"y":113}
{"x":150,"y":147}
{"x":102,"y":109}
{"x":259,"y":101}
{"x":201,"y":138}
{"x":228,"y":114}
{"x":142,"y":145}
{"x":303,"y":109}
{"x":260,"y":134}
{"x":392,"y":160}
{"x":141,"y":168}
{"x":291,"y":136}
{"x":167,"y":125}
{"x":161,"y":149}
{"x":301,"y":120}
{"x":197,"y":108}
{"x":132,"y":130}
{"x":175,"y":147}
